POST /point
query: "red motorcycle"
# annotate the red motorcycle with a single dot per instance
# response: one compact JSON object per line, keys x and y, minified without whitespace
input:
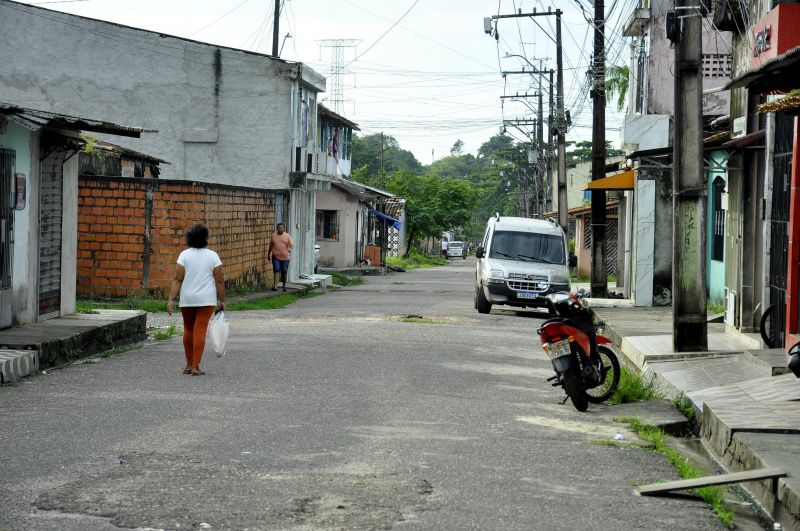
{"x":585,"y":365}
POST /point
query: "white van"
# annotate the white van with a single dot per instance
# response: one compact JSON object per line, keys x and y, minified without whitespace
{"x":520,"y":260}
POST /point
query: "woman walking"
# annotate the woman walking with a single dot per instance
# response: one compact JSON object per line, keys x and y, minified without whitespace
{"x":202,"y":287}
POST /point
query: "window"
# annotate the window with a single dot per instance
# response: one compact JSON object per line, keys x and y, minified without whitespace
{"x":7,"y":162}
{"x":587,"y":233}
{"x":328,"y":225}
{"x":528,"y":247}
{"x":718,"y":242}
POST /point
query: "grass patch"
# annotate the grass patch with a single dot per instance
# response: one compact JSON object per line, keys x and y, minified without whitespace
{"x":121,"y":349}
{"x":269,"y":303}
{"x":131,"y":303}
{"x":583,"y":279}
{"x":340,"y":279}
{"x":163,"y":334}
{"x":684,"y":405}
{"x":715,"y":308}
{"x":634,"y":387}
{"x":714,"y":496}
{"x":415,"y":261}
{"x":418,"y":319}
{"x":614,"y":444}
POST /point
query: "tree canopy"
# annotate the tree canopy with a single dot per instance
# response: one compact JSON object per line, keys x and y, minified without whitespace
{"x":457,"y":192}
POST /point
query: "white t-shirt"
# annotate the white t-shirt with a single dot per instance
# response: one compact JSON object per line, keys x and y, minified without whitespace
{"x":198,"y":288}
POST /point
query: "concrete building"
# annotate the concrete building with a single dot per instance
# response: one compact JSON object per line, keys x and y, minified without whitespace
{"x":647,"y":139}
{"x":225,"y":116}
{"x":39,"y":211}
{"x":356,"y":222}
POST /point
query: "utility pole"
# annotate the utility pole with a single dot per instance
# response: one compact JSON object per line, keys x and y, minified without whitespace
{"x":540,"y":207}
{"x":382,"y":185}
{"x":599,"y":271}
{"x":549,"y":192}
{"x":276,"y":28}
{"x":561,"y":124}
{"x":690,"y":329}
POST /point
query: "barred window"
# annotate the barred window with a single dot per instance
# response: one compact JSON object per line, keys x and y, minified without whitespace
{"x":718,"y":242}
{"x":587,"y":234}
{"x":7,"y":162}
{"x":327,"y":225}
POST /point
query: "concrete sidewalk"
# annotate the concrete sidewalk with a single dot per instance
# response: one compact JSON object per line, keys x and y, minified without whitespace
{"x":748,"y":407}
{"x":26,"y":349}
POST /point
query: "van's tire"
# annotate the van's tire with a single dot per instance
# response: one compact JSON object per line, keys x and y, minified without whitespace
{"x":481,"y":303}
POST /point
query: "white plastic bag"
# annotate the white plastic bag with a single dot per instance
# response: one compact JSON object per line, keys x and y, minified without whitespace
{"x":218,"y":333}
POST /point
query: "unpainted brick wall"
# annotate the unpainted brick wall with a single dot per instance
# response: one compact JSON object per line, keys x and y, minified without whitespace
{"x":131,"y":231}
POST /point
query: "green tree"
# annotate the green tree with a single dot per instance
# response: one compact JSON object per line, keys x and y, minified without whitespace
{"x":617,"y":79}
{"x":458,"y":148}
{"x":367,"y":155}
{"x":582,"y":151}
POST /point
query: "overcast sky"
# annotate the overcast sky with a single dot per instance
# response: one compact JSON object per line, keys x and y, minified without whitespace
{"x":422,"y":71}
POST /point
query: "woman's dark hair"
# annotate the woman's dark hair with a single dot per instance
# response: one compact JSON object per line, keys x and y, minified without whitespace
{"x":197,"y":236}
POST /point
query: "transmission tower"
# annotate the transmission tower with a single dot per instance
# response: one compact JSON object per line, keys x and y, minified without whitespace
{"x":337,"y":70}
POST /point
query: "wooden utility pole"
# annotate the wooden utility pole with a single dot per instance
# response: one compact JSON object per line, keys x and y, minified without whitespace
{"x":276,"y":28}
{"x":561,"y":124}
{"x":382,"y":184}
{"x":690,"y":330}
{"x":599,"y":271}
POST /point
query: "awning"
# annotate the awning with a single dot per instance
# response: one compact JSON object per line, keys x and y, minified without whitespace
{"x":778,"y":73}
{"x":386,"y":218}
{"x":745,"y":140}
{"x":620,"y":181}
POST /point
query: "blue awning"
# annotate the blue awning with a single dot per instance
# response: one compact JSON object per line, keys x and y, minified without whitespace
{"x":386,"y":218}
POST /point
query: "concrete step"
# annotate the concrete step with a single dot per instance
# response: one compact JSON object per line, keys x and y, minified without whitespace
{"x":755,"y":424}
{"x":16,"y":364}
{"x":772,"y":362}
{"x":76,"y":336}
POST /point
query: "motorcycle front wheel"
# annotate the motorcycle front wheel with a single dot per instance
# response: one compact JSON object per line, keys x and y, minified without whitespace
{"x":573,"y":388}
{"x":609,"y":378}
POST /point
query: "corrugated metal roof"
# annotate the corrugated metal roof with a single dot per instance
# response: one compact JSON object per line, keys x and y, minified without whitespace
{"x":324,"y":111}
{"x":353,"y":188}
{"x":35,"y":120}
{"x":123,"y":151}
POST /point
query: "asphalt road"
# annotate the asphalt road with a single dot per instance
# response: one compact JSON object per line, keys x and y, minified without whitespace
{"x":330,"y":414}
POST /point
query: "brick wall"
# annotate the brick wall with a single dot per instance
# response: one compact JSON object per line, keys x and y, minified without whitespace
{"x":131,"y":230}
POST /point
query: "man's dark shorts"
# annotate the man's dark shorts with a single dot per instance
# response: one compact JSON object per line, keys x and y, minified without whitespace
{"x":280,"y":266}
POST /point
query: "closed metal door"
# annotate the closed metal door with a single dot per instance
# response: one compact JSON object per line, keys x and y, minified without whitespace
{"x":7,"y":168}
{"x":51,"y":211}
{"x":779,"y":244}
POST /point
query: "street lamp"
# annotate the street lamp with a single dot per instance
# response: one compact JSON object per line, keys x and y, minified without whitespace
{"x":510,"y":55}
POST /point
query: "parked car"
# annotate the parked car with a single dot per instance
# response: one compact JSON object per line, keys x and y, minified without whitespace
{"x":520,"y":261}
{"x":456,"y":249}
{"x":316,"y":257}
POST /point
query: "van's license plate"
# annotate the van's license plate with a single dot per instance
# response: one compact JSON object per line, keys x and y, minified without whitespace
{"x":527,"y":294}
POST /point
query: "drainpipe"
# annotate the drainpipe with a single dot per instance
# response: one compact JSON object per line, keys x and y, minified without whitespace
{"x":766,"y":213}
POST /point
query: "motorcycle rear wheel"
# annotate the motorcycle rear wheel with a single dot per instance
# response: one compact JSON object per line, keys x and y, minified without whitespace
{"x":573,"y":388}
{"x":611,"y":374}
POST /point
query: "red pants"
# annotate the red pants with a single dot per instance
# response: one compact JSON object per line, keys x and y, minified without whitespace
{"x":195,"y":323}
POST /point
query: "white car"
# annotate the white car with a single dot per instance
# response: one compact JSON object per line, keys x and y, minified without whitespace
{"x":456,"y":249}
